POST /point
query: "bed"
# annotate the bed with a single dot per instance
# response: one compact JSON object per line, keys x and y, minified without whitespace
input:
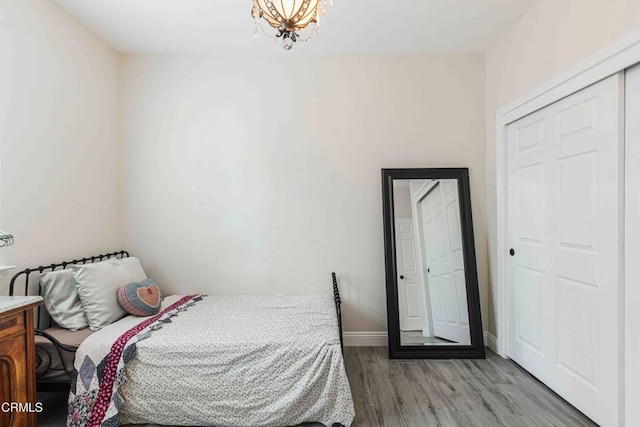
{"x":212,"y":360}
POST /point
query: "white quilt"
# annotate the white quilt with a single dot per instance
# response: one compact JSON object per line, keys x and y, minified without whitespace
{"x":236,"y":361}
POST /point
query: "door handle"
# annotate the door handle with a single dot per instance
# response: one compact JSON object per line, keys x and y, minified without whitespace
{"x":401,"y":277}
{"x":512,"y":252}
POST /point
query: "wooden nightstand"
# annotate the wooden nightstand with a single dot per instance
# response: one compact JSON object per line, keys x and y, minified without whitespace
{"x":17,"y":361}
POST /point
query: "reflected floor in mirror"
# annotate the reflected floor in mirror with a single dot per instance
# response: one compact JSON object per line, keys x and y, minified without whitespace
{"x":416,"y":338}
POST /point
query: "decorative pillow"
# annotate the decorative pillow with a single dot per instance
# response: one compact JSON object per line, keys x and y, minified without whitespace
{"x":98,"y":286}
{"x":140,"y":298}
{"x":61,"y":299}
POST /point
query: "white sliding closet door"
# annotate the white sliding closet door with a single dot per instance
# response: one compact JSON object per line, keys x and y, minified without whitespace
{"x":565,"y":223}
{"x":632,"y":247}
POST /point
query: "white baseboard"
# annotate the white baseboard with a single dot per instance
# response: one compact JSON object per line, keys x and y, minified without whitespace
{"x":365,"y":338}
{"x":491,"y":341}
{"x":379,"y":339}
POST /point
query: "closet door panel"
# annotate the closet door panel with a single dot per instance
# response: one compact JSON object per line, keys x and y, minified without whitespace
{"x":565,"y":225}
{"x":632,"y":246}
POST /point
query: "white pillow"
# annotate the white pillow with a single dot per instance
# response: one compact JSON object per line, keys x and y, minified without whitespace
{"x":61,"y":299}
{"x":98,"y":286}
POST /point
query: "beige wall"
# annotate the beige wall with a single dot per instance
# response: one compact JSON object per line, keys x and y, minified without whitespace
{"x":59,"y":137}
{"x":262,"y":175}
{"x":552,"y":37}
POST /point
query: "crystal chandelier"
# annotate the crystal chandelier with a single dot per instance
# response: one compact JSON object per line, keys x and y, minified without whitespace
{"x":289,"y":18}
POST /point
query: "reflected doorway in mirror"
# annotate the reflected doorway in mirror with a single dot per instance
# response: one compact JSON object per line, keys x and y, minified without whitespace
{"x":432,"y":300}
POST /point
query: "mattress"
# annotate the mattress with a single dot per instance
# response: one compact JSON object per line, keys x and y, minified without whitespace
{"x":234,"y":361}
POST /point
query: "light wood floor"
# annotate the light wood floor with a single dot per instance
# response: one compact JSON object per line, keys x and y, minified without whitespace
{"x":396,"y":393}
{"x":490,"y":392}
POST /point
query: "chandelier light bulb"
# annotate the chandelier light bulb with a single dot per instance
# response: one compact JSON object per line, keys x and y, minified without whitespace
{"x":287,"y":43}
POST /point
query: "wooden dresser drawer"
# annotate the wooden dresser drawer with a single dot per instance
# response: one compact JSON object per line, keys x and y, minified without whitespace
{"x":11,"y":324}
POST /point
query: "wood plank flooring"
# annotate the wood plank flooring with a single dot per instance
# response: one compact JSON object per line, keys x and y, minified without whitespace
{"x":399,"y":393}
{"x":490,"y":392}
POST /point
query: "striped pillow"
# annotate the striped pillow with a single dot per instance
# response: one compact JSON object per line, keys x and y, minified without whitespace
{"x":140,"y":298}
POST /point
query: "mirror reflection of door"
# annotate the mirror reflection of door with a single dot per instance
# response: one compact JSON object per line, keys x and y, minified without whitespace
{"x":409,"y":295}
{"x":430,"y":263}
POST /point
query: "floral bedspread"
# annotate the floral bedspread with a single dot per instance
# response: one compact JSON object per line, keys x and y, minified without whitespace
{"x":94,"y":399}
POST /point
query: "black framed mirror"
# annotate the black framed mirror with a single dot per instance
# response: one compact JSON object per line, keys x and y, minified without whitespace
{"x":433,"y":303}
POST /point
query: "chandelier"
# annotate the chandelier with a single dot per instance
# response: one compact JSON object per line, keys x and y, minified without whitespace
{"x":289,"y":18}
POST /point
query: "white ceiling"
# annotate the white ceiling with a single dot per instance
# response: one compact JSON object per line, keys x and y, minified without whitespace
{"x":349,"y":26}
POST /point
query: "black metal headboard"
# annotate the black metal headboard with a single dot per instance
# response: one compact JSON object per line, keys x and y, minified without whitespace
{"x":22,"y":277}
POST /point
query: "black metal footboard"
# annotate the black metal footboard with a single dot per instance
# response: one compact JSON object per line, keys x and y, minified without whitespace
{"x":336,"y":300}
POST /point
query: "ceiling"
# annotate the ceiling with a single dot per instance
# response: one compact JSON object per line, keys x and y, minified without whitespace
{"x":349,"y":26}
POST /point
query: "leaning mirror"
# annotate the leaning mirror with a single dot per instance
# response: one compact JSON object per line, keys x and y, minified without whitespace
{"x":433,"y":307}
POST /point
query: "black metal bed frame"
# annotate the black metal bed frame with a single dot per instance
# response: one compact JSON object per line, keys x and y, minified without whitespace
{"x":43,"y":322}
